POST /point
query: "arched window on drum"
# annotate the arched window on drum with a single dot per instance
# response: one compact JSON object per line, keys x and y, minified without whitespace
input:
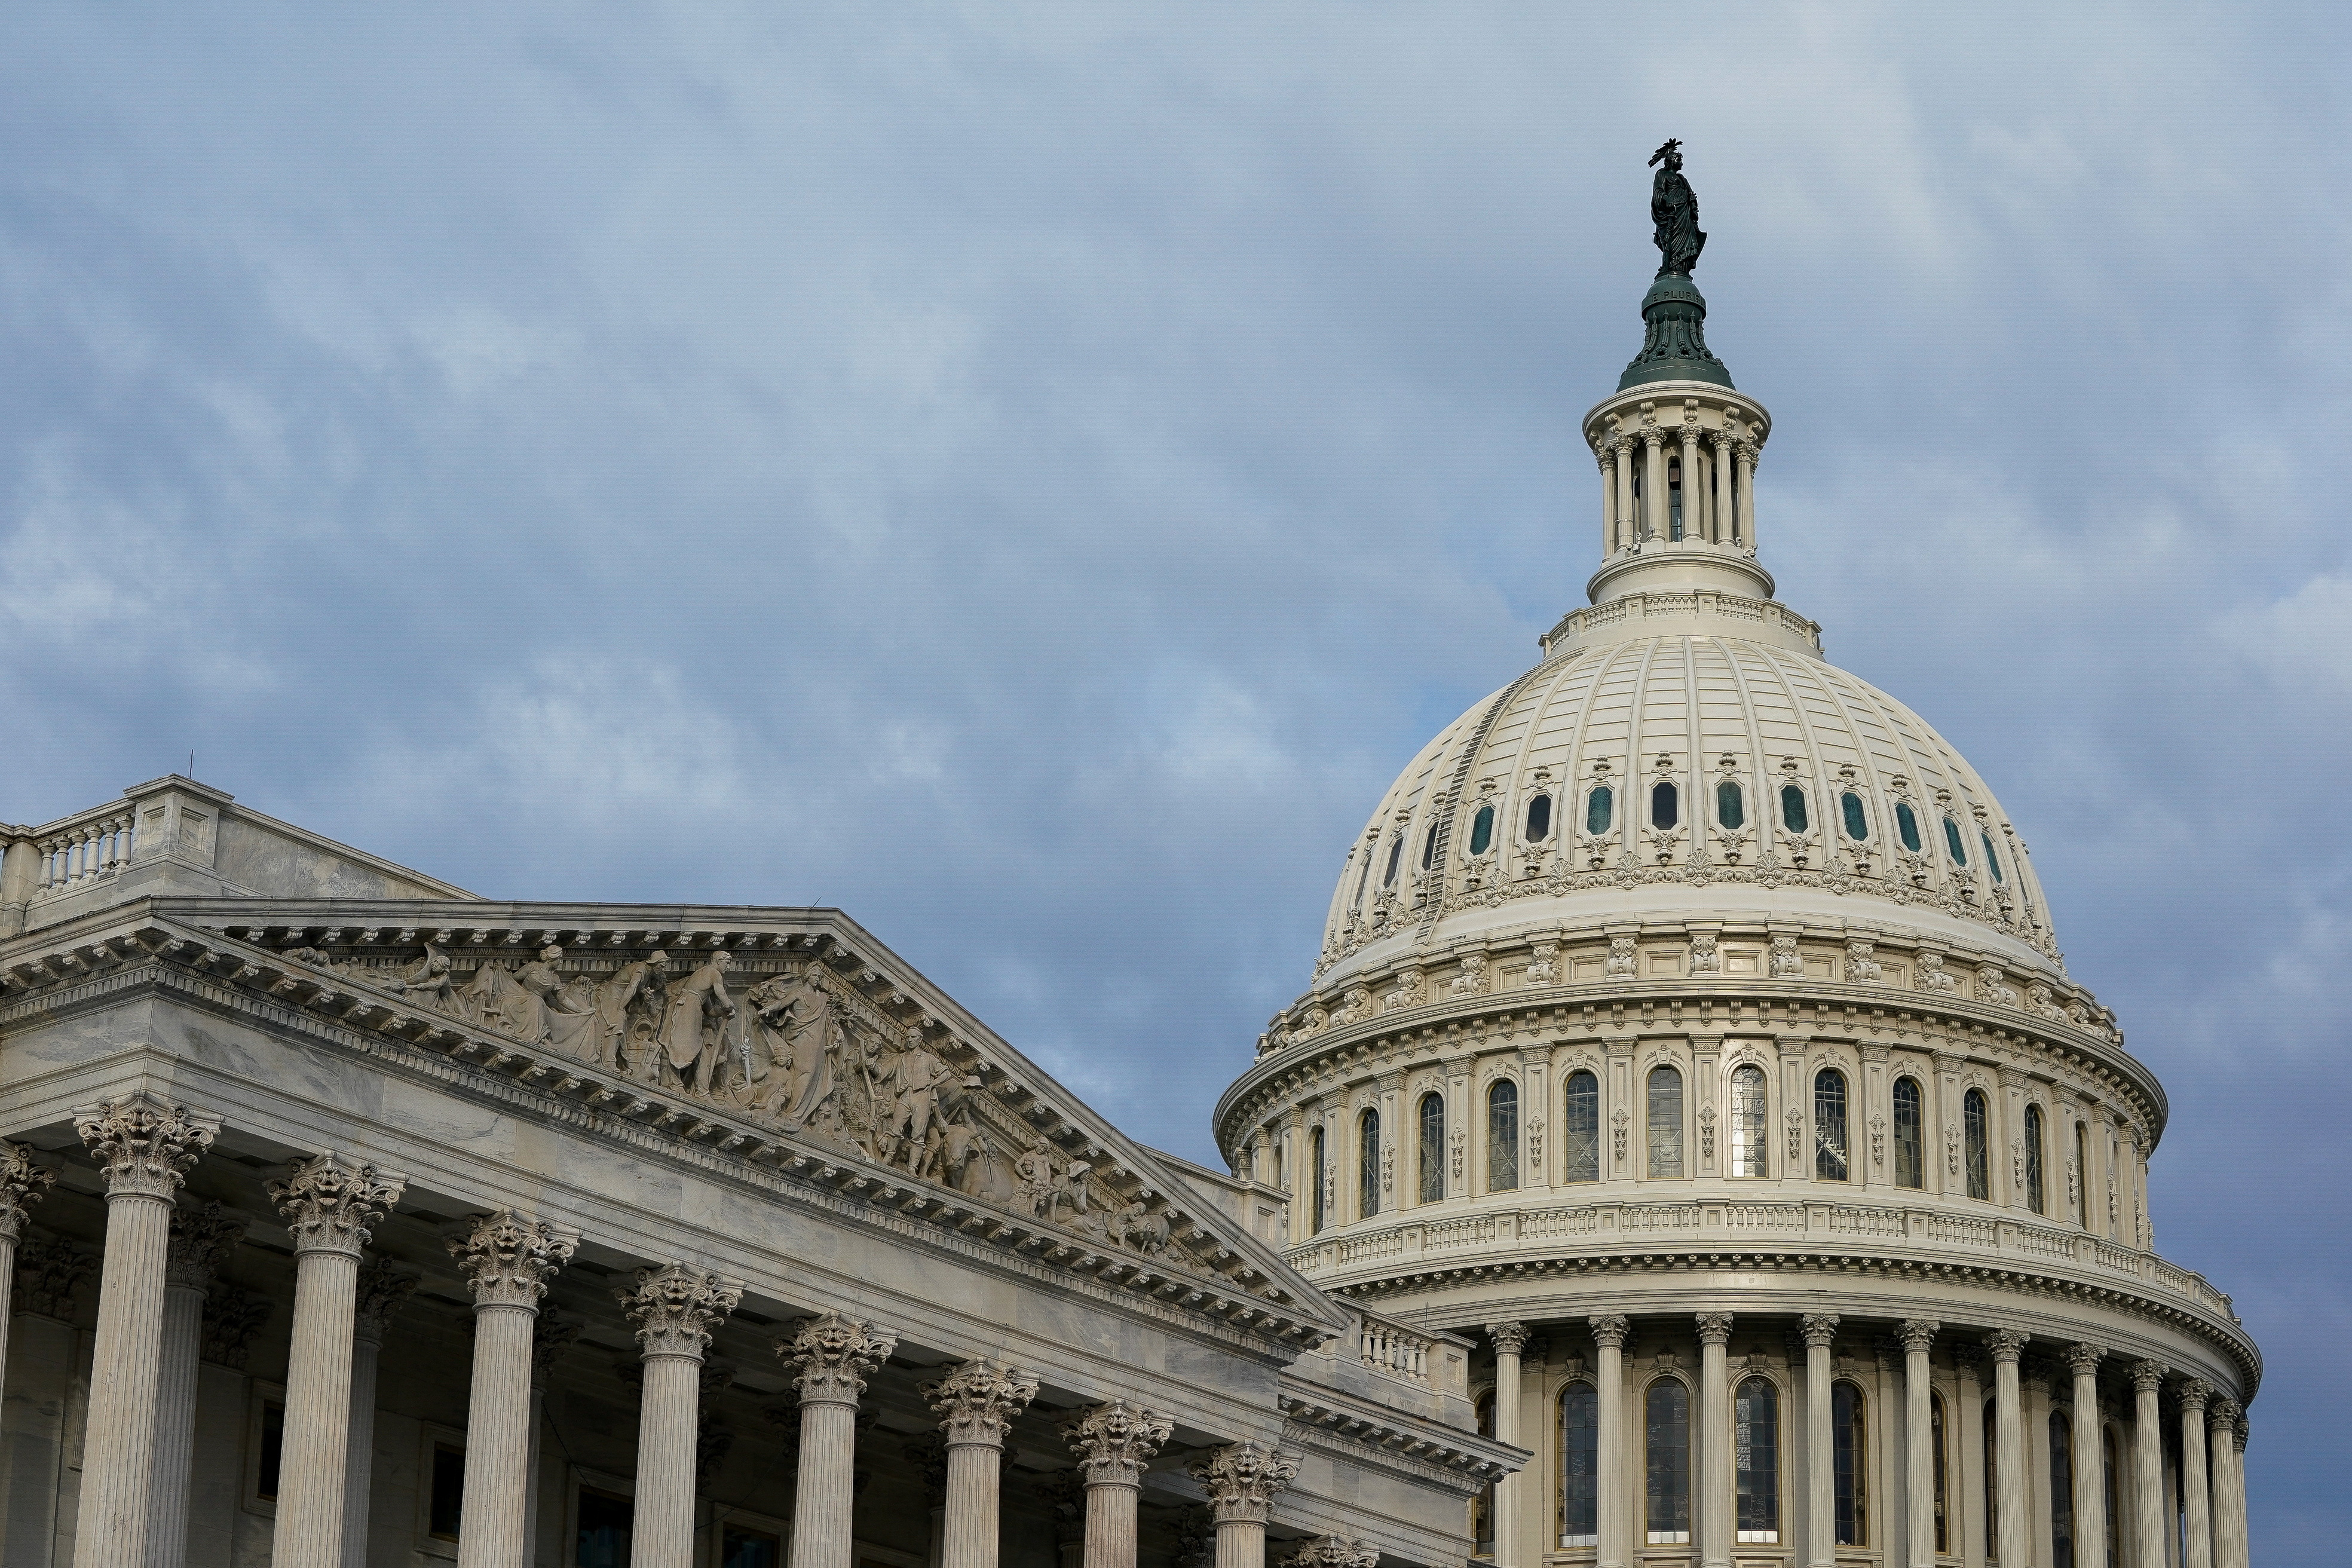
{"x":1316,"y":1175}
{"x":1910,"y":1153}
{"x":1580,"y":1147}
{"x":1502,"y":1136}
{"x":1830,"y":1161}
{"x":2036,"y":1193}
{"x":1665,"y":1453}
{"x":1976,"y":1133}
{"x":1580,"y":1465}
{"x":1756,"y":1462}
{"x":1432,"y":1153}
{"x":1751,"y":1122}
{"x":1665,"y":1124}
{"x":1368,"y":1164}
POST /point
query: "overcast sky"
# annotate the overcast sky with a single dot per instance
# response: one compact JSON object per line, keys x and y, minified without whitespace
{"x":1031,"y":475}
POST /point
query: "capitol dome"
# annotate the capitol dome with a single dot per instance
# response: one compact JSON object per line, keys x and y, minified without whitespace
{"x":1690,"y":1031}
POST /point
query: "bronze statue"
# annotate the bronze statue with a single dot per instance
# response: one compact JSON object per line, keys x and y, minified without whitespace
{"x":1674,"y":207}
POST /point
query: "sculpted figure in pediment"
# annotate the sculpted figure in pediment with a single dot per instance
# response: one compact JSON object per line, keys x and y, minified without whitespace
{"x":567,"y":1008}
{"x":693,"y":1030}
{"x":628,"y":1005}
{"x":492,"y":998}
{"x":797,"y":1046}
{"x":911,"y":1086}
{"x":427,"y":979}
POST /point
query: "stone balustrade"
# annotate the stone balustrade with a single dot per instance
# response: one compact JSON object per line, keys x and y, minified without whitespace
{"x":81,"y":849}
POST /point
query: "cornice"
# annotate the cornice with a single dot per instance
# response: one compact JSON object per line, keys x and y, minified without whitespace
{"x":1378,"y":1438}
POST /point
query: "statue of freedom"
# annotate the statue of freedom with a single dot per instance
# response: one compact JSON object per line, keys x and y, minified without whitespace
{"x":1674,"y":207}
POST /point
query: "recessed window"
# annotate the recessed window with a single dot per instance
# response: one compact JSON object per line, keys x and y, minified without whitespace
{"x":1858,"y":826}
{"x":1503,"y":1136}
{"x":606,"y":1520}
{"x":1829,"y":1162}
{"x":1666,"y":1456}
{"x":1849,"y":1468}
{"x":1730,"y":804}
{"x":2062,"y":1489}
{"x":1910,"y":1162}
{"x":2082,"y":1176}
{"x":1433,"y":1147}
{"x":1793,"y":815}
{"x":1363,"y":880}
{"x":2036,"y":1196}
{"x":1673,"y":498}
{"x":1396,"y":856}
{"x":1750,"y":1122}
{"x":1538,"y":820}
{"x":1952,"y":842}
{"x":1906,"y":827}
{"x":1319,"y":1214}
{"x":1992,"y":1471}
{"x":445,"y":1507}
{"x":1429,"y":847}
{"x":1581,"y":1151}
{"x":1666,"y":1123}
{"x":1756,"y":1461}
{"x":1368,"y":1164}
{"x":1665,"y":805}
{"x":1937,"y":1442}
{"x":1580,"y":1465}
{"x":741,"y":1547}
{"x":1974,"y":1115}
{"x":273,"y":1451}
{"x":1482,"y":830}
{"x":1600,"y":809}
{"x":1992,"y":858}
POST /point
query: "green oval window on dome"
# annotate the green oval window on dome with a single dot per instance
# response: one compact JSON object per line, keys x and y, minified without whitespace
{"x":1992,"y":858}
{"x":1952,"y":842}
{"x":1730,"y":808}
{"x":1600,"y":809}
{"x":1793,"y":815}
{"x":1858,"y":826}
{"x":1482,"y":830}
{"x":1907,"y":823}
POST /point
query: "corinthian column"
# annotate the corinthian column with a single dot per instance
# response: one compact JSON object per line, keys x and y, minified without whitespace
{"x":976,"y":1404}
{"x":1820,"y":1330}
{"x":22,"y":1184}
{"x":1112,"y":1442}
{"x":378,"y":1293}
{"x":2009,"y":1445}
{"x":675,"y":1307}
{"x":2090,"y":1455}
{"x":508,"y":1261}
{"x":1918,"y":1441}
{"x":328,"y":1203}
{"x":1510,"y":1338}
{"x":2195,"y":1499}
{"x":834,"y":1355}
{"x":201,"y":1236}
{"x":1714,"y":1408}
{"x":1608,"y":1334}
{"x":2148,"y":1465}
{"x":1241,"y":1481}
{"x":2240,"y":1549}
{"x":145,"y":1145}
{"x":2229,"y":1498}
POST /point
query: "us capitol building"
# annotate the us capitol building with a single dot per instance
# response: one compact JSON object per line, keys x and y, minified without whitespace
{"x":1690,"y":1150}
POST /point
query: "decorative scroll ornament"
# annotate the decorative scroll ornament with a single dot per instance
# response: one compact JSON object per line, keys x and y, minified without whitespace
{"x":330,"y":1204}
{"x":508,"y":1259}
{"x":143,"y":1144}
{"x":977,"y":1402}
{"x":1334,"y":1551}
{"x":381,"y":1291}
{"x":1112,"y":1442}
{"x":675,"y":1307}
{"x":1241,"y":1481}
{"x":23,"y":1184}
{"x":834,"y":1355}
{"x":203,"y":1235}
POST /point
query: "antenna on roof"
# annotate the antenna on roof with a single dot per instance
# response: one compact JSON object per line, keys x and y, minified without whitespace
{"x":192,"y":764}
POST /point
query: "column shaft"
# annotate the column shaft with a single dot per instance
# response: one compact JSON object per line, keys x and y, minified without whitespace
{"x":1746,"y":498}
{"x":175,"y":1425}
{"x":1241,"y":1544}
{"x":1110,"y":1524}
{"x":1608,"y":504}
{"x":972,"y":1505}
{"x":497,"y":1438}
{"x":2147,"y":1468}
{"x":119,"y":1447}
{"x":1694,"y":509}
{"x":663,"y":1535}
{"x":825,"y":1489}
{"x":1506,"y":1426}
{"x":1610,"y":1479}
{"x":310,"y":1533}
{"x":1821,"y":1460}
{"x":1727,"y":529}
{"x":2090,"y":1469}
{"x":1714,"y":1510}
{"x":1919,"y":1452}
{"x":1628,"y":530}
{"x":1654,"y":486}
{"x":2229,"y":1501}
{"x":359,"y":1452}
{"x":2009,"y":1451}
{"x":2194,"y":1488}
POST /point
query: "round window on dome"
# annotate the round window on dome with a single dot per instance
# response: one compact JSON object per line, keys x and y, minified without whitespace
{"x":1665,"y":805}
{"x":1992,"y":858}
{"x":1482,"y":830}
{"x":1793,"y":815}
{"x":1858,"y":826}
{"x":1540,"y":819}
{"x":1952,"y":842}
{"x":1730,"y":805}
{"x":1599,"y":810}
{"x":1906,"y":825}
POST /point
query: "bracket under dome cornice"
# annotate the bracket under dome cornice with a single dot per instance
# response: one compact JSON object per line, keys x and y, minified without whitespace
{"x":1087,"y":1204}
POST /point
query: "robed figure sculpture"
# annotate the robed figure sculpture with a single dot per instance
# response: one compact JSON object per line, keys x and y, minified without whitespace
{"x":1674,"y":207}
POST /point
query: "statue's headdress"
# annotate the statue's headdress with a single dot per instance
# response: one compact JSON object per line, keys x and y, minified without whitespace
{"x":1668,"y":151}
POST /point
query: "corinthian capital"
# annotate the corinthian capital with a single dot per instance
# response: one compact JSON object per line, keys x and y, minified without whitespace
{"x":2148,"y":1376}
{"x":675,"y":1307}
{"x":2005,"y":1345}
{"x":145,"y":1144}
{"x":1242,"y":1480}
{"x":203,"y":1235}
{"x":1714,"y":1327}
{"x":1611,"y":1329}
{"x":1112,"y":1442}
{"x":1917,"y":1333}
{"x":2196,"y":1394}
{"x":2084,"y":1357}
{"x":508,"y":1259}
{"x":331,"y":1203}
{"x":380,"y":1291}
{"x":2221,"y":1415}
{"x":834,"y":1354}
{"x":1820,"y":1330}
{"x":1333,"y":1551}
{"x":22,"y":1184}
{"x":977,"y":1402}
{"x":1510,"y":1338}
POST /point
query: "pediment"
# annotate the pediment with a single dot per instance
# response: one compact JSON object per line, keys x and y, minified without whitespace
{"x":788,"y":1039}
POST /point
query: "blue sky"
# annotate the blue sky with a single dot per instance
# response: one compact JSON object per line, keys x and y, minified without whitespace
{"x":1030,"y":475}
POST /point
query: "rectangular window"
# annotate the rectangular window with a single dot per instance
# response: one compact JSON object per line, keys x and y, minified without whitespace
{"x":273,"y":1449}
{"x":448,"y":1499}
{"x":743,"y":1548}
{"x":604,"y":1522}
